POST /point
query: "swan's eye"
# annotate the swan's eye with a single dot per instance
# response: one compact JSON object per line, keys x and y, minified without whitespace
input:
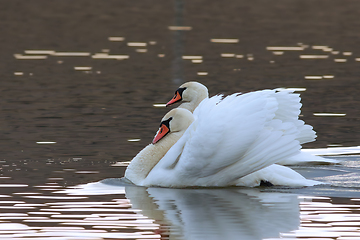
{"x":180,"y":91}
{"x":166,"y":123}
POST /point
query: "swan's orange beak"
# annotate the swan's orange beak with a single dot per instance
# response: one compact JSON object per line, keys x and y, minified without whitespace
{"x":175,"y":99}
{"x":163,"y":130}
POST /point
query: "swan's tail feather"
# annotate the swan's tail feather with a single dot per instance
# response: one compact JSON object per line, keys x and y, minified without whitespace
{"x":276,"y":175}
{"x":306,"y":158}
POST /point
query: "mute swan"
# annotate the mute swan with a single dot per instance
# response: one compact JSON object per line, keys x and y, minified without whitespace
{"x":192,"y":94}
{"x":226,"y":142}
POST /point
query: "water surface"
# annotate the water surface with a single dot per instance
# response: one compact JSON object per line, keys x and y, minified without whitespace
{"x":82,"y":86}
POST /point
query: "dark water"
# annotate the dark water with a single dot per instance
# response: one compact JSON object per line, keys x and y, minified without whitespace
{"x":86,"y":101}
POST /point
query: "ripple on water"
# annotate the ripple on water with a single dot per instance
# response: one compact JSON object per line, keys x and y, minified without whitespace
{"x":48,"y":211}
{"x":4,"y":185}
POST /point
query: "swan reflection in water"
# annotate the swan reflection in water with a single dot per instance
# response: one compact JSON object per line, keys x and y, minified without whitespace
{"x":228,"y":213}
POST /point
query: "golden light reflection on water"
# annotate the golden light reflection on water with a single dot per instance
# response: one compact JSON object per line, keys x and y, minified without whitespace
{"x":45,"y":186}
{"x":314,"y":56}
{"x":107,"y":56}
{"x":159,"y":105}
{"x":280,"y":48}
{"x":82,"y":68}
{"x":87,"y":172}
{"x":202,"y":73}
{"x":45,"y":142}
{"x":8,"y":185}
{"x":329,"y":114}
{"x":31,"y":57}
{"x":227,"y":55}
{"x":278,"y":53}
{"x":197,"y":61}
{"x":316,"y":77}
{"x":71,"y":54}
{"x":116,"y":39}
{"x":307,"y":52}
{"x":340,"y":60}
{"x":26,"y":193}
{"x":180,"y":28}
{"x":319,"y":47}
{"x":323,"y":219}
{"x":194,"y":57}
{"x":224,"y":40}
{"x":141,"y":50}
{"x":39,"y":52}
{"x":313,"y":77}
{"x":291,"y":89}
{"x":153,"y":213}
{"x":121,"y":164}
{"x":137,"y":44}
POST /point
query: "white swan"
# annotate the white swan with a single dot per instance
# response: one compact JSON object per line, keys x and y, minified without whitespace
{"x":226,"y":142}
{"x":191,"y":94}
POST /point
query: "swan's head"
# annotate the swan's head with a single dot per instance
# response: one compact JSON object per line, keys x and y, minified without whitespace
{"x":177,"y":120}
{"x":191,"y":94}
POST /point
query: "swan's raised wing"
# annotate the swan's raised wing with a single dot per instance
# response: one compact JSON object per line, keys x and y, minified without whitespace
{"x":206,"y":104}
{"x":238,"y":136}
{"x":228,"y":140}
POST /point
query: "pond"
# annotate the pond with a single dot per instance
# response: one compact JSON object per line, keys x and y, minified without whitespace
{"x":83,"y":86}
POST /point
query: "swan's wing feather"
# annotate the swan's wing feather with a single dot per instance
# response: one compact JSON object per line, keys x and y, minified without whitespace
{"x":289,"y":110}
{"x":209,"y":134}
{"x":206,"y":105}
{"x":235,"y":137}
{"x":289,"y":105}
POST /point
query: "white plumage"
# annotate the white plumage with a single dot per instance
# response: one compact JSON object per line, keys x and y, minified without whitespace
{"x":194,"y":95}
{"x":227,"y":142}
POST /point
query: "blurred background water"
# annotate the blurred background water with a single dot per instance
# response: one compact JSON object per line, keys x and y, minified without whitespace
{"x":80,"y":88}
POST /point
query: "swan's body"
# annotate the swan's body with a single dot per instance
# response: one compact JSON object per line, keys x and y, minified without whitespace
{"x":223,"y":143}
{"x":193,"y":96}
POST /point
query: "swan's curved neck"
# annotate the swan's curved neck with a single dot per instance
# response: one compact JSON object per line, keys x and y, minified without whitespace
{"x":146,"y":159}
{"x":189,"y":106}
{"x":192,"y":104}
